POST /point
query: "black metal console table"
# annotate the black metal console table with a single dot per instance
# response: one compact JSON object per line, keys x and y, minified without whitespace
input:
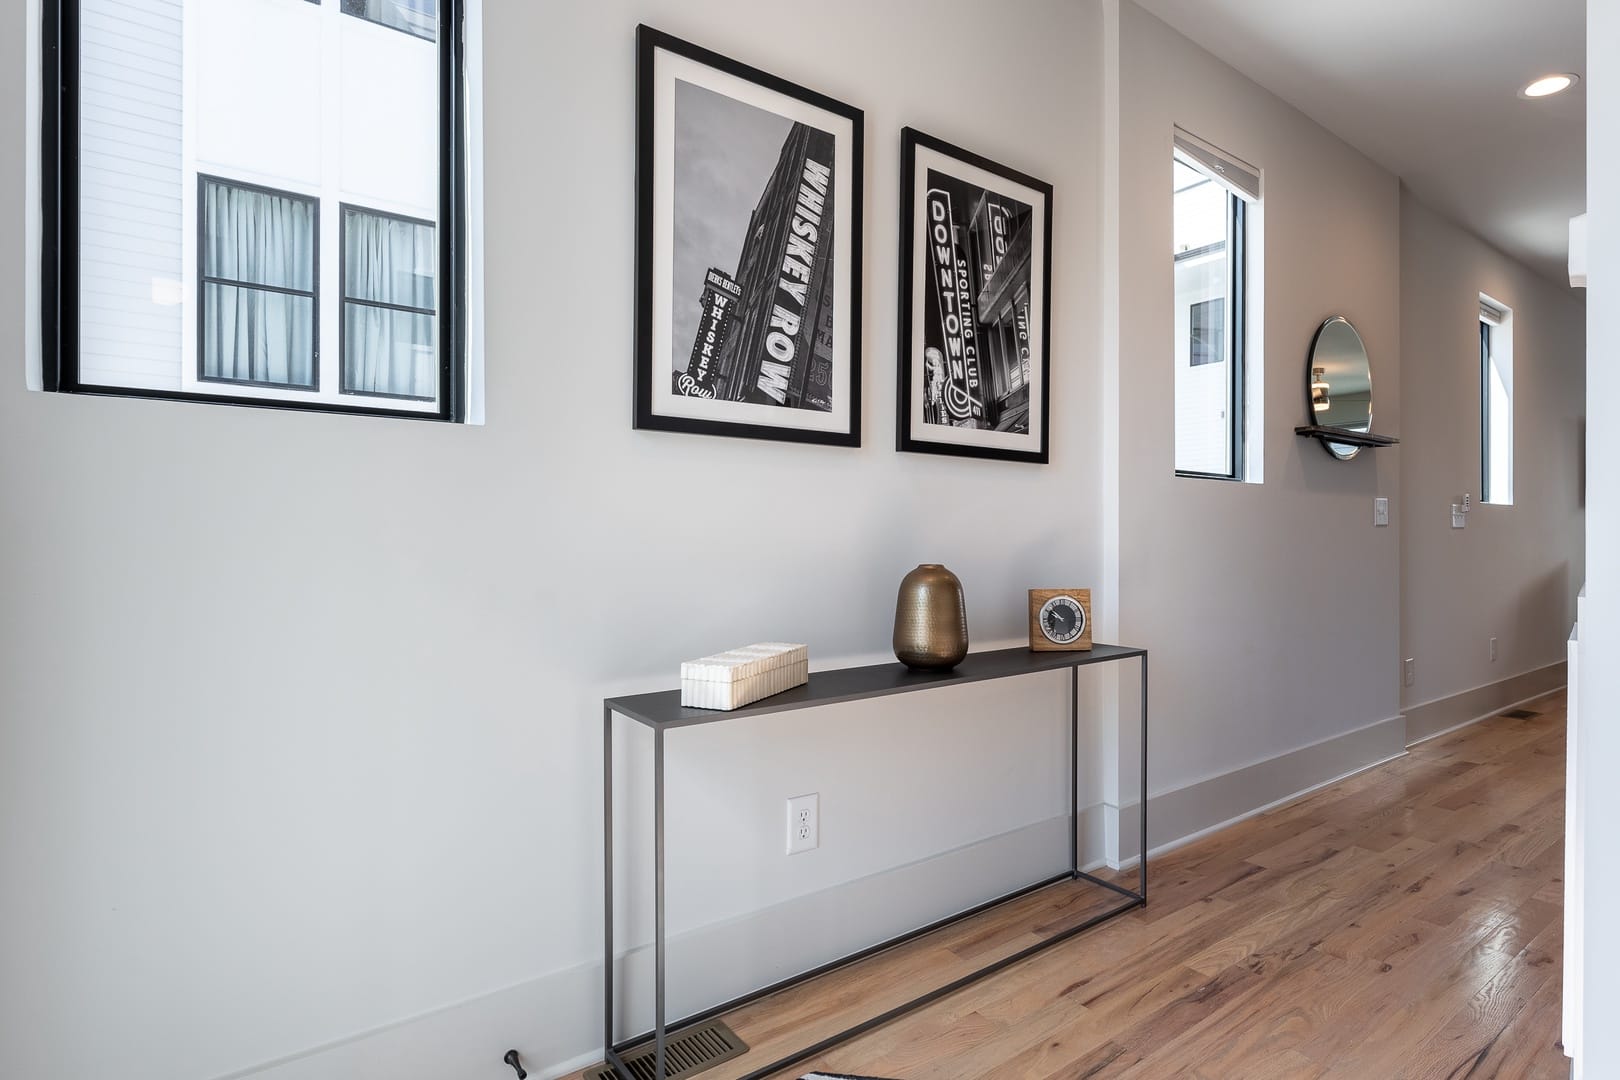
{"x":663,"y":712}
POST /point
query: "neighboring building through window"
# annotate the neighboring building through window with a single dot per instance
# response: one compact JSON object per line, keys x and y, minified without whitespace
{"x":1496,"y":402}
{"x":208,"y":204}
{"x":1210,"y":207}
{"x":419,"y":17}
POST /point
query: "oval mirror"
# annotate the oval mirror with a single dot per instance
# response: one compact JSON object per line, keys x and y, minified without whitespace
{"x":1339,"y":383}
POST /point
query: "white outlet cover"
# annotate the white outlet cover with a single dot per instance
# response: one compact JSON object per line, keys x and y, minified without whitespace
{"x":1380,"y":512}
{"x":803,"y":823}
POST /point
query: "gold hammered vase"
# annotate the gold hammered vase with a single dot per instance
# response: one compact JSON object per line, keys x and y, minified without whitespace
{"x":930,"y":619}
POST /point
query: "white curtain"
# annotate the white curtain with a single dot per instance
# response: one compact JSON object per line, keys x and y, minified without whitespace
{"x":388,"y":309}
{"x":257,"y":238}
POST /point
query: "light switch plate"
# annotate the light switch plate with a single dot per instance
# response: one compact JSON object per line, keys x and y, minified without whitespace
{"x":1459,"y":516}
{"x":1380,"y":512}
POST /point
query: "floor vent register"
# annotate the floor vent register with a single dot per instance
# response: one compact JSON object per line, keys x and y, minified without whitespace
{"x":685,"y":1054}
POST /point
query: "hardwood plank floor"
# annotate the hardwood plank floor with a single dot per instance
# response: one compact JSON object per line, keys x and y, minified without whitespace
{"x":1403,"y":923}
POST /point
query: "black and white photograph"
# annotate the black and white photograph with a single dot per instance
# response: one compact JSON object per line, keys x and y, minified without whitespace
{"x":975,"y":299}
{"x":748,"y":233}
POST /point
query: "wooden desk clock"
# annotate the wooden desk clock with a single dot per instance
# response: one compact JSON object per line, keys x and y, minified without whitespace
{"x":1060,"y":620}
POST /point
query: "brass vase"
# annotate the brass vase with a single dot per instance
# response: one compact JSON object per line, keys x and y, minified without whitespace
{"x":930,"y":619}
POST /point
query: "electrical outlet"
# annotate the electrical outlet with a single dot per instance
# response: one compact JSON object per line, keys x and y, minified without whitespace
{"x":1409,"y":675}
{"x":1380,"y":512}
{"x":804,"y":823}
{"x":1493,"y":650}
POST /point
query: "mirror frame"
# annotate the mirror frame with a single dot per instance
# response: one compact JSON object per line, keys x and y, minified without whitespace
{"x":1342,"y":451}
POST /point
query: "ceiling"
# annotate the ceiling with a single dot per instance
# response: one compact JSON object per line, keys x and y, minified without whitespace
{"x":1429,"y":90}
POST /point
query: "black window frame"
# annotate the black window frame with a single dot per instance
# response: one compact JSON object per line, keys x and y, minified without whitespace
{"x":59,"y":255}
{"x":344,"y":299}
{"x":1238,"y":315}
{"x":204,"y":280}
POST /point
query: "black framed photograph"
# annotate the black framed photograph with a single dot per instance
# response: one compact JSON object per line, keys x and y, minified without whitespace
{"x":975,"y":305}
{"x":748,"y":234}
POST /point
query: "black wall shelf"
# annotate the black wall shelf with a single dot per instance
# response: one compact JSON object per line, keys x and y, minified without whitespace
{"x":1345,"y":437}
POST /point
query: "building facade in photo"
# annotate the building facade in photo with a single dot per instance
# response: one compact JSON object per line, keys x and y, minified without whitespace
{"x":779,"y":348}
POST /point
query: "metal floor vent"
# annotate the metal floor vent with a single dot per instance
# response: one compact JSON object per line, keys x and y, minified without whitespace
{"x":686,"y":1054}
{"x":1521,"y":714}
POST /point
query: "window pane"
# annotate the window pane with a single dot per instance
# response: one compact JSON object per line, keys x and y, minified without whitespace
{"x":419,"y":17}
{"x":1496,"y":409}
{"x":388,"y":312}
{"x":389,"y":260}
{"x":1205,"y":382}
{"x":220,"y":143}
{"x":1208,"y":342}
{"x":259,"y":237}
{"x":258,"y":336}
{"x":389,"y":352}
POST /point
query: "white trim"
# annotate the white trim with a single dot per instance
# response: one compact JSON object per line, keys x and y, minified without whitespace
{"x":1420,"y":740}
{"x":1180,"y":842}
{"x":1207,"y":805}
{"x":1478,"y":703}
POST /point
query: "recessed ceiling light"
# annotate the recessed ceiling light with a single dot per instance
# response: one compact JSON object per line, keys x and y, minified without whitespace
{"x":1548,"y":85}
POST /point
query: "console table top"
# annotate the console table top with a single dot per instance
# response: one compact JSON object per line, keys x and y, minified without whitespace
{"x":663,"y":709}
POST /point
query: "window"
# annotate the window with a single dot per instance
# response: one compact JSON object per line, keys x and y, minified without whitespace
{"x":1208,"y":341}
{"x":1212,"y":192}
{"x":258,"y":273}
{"x":388,"y":271}
{"x":419,"y":17}
{"x":1496,"y":402}
{"x":203,"y":235}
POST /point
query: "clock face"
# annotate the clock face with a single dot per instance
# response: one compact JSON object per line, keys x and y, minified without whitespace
{"x":1062,"y":620}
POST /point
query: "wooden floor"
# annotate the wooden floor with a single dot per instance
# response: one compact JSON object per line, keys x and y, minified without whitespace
{"x":1404,"y":922}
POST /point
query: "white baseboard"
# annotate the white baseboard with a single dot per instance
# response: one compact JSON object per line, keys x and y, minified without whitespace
{"x":1186,"y":814}
{"x":1442,"y":715}
{"x":554,"y":1021}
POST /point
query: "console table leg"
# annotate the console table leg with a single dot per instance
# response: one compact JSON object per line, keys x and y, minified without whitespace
{"x":1074,"y":772}
{"x":659,"y":1019}
{"x":607,"y":881}
{"x":1143,"y":848}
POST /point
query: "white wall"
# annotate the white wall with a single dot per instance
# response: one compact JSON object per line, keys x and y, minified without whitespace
{"x":1266,"y":606}
{"x":1600,"y":620}
{"x":302,"y":712}
{"x":1514,"y":571}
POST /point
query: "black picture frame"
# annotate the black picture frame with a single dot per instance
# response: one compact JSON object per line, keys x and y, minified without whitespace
{"x":837,"y":366}
{"x":1013,"y":385}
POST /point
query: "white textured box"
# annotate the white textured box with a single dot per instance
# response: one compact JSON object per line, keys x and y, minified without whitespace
{"x":739,"y":677}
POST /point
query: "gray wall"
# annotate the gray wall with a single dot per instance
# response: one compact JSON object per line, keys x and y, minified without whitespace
{"x":1267,"y":606}
{"x":1514,"y":571}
